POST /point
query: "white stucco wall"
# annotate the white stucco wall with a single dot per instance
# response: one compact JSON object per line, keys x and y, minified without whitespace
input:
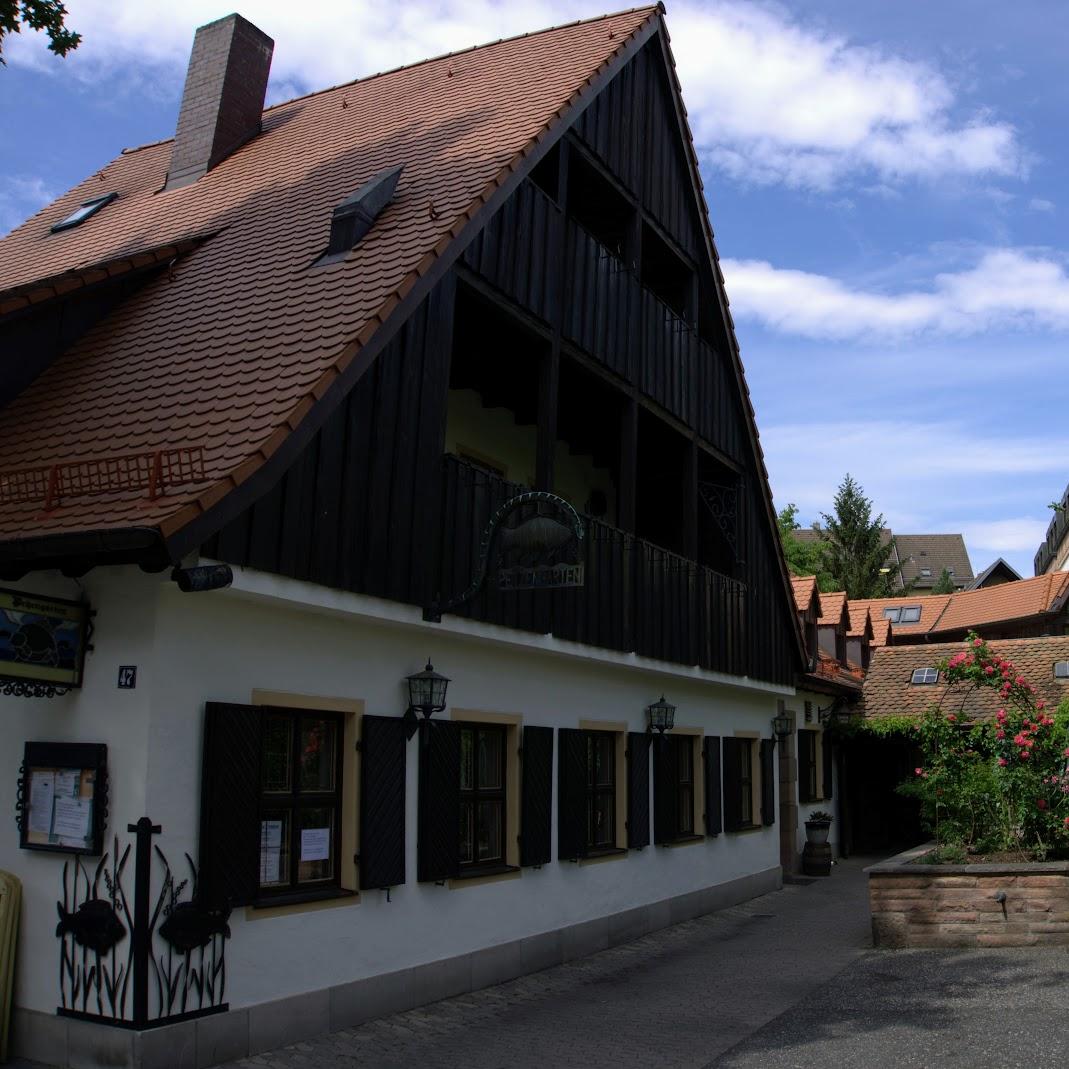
{"x":124,"y":633}
{"x":222,"y":645}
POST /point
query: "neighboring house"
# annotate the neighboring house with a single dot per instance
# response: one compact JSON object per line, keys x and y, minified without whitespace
{"x":1017,"y":609}
{"x":277,"y":395}
{"x":907,"y":680}
{"x":923,"y":557}
{"x":838,"y":638}
{"x":918,"y":560}
{"x":995,"y":574}
{"x":1053,"y":554}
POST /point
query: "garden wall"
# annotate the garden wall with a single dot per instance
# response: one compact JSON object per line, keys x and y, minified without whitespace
{"x":988,"y":905}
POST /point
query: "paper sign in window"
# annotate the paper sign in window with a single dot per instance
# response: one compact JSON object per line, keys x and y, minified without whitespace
{"x":315,"y":844}
{"x":270,"y":851}
{"x":42,"y":792}
{"x":72,"y":818}
{"x":68,"y":782}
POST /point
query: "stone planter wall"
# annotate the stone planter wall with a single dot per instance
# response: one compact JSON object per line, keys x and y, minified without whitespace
{"x":917,"y":905}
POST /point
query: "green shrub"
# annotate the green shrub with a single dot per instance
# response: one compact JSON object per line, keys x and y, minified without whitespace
{"x":994,"y":785}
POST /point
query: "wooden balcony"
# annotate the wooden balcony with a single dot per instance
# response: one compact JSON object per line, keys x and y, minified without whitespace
{"x":637,"y":597}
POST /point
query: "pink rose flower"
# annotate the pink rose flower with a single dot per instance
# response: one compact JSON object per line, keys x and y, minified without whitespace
{"x":1002,"y":762}
{"x":977,"y":642}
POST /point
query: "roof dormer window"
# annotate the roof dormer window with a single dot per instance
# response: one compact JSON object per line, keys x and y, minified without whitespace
{"x":925,"y":676}
{"x":84,"y":211}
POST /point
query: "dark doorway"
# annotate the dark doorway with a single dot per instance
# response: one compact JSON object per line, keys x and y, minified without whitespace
{"x":877,"y":819}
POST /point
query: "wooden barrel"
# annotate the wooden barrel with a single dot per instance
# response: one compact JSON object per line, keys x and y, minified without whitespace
{"x":816,"y":859}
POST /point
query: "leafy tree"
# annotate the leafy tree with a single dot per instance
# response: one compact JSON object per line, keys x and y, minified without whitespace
{"x":803,"y":558}
{"x":47,"y":15}
{"x":945,"y":583}
{"x":854,"y":550}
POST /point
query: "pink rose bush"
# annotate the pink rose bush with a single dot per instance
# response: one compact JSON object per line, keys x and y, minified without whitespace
{"x":994,"y":784}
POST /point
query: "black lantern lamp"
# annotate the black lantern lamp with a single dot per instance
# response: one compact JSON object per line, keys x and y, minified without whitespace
{"x":660,"y":716}
{"x":781,"y":725}
{"x":426,"y":695}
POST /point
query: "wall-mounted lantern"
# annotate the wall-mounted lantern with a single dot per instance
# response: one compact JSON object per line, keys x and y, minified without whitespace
{"x":660,"y":716}
{"x":426,"y":695}
{"x":781,"y":725}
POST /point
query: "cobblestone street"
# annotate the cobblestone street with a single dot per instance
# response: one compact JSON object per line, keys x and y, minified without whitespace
{"x":679,"y":997}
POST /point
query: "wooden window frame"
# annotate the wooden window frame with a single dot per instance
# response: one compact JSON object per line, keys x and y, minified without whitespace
{"x":692,"y":739}
{"x":594,"y":791}
{"x":748,"y":783}
{"x":809,"y":767}
{"x":297,"y":799}
{"x":475,"y":794}
{"x":684,"y":788}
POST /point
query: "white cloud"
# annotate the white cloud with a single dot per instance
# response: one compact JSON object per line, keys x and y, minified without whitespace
{"x":926,"y":476}
{"x":20,"y":197}
{"x":775,"y":101}
{"x":1041,"y":204}
{"x":1006,"y":289}
{"x":1021,"y":534}
{"x":770,"y":99}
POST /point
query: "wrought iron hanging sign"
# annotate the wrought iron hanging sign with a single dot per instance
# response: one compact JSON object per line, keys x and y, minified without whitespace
{"x":42,"y":644}
{"x":533,"y":542}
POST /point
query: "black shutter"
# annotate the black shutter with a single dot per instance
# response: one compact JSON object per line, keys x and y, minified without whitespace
{"x":438,"y":844}
{"x":382,"y":802}
{"x":638,"y":789}
{"x":230,"y":804}
{"x":714,"y":818}
{"x":826,"y":758}
{"x":664,"y":789}
{"x":571,"y":794}
{"x":732,"y":776}
{"x":768,"y":782}
{"x":536,"y":806}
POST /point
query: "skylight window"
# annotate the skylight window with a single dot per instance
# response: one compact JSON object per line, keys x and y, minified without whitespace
{"x":84,"y":211}
{"x":925,"y":675}
{"x":1061,"y":669}
{"x":907,"y":614}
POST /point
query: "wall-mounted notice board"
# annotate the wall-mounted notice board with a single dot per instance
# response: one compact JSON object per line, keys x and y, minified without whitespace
{"x":63,"y":797}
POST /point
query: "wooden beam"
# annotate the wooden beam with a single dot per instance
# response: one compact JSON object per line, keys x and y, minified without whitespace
{"x":690,"y":502}
{"x":548,"y":390}
{"x":628,"y":473}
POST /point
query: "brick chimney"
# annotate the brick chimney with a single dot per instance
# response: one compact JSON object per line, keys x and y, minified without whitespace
{"x":223,"y":98}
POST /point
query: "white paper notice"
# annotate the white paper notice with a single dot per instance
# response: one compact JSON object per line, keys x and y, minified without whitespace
{"x":42,"y":791}
{"x":270,"y":851}
{"x":68,"y":783}
{"x":315,"y":844}
{"x":72,"y":818}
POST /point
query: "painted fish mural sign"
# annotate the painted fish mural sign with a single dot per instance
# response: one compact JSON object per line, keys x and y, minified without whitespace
{"x":42,"y":639}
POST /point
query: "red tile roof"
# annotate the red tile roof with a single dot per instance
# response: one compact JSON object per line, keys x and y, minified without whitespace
{"x":966,"y":609}
{"x":230,"y":349}
{"x":805,"y":590}
{"x":833,"y":611}
{"x":860,"y":620}
{"x":889,"y":692}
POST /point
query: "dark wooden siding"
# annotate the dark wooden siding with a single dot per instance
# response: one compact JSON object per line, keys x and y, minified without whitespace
{"x":371,"y":506}
{"x":631,"y":127}
{"x":355,"y":508}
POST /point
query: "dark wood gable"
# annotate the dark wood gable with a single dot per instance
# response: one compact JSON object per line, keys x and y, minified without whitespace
{"x":586,"y":309}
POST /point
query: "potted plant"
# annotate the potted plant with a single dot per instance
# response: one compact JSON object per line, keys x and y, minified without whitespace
{"x":817,"y":827}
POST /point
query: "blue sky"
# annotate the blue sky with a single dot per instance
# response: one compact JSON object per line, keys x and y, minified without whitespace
{"x":885,"y":181}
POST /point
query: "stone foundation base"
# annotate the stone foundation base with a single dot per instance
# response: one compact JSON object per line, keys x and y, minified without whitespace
{"x":994,"y":905}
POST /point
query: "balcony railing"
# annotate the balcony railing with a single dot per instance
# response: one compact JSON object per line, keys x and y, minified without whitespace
{"x":636,"y":597}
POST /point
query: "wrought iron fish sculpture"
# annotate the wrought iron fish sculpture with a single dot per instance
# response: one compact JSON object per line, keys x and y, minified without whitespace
{"x":190,"y":925}
{"x":94,"y":924}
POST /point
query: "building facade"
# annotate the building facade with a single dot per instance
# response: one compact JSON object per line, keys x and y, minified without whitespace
{"x":451,"y":380}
